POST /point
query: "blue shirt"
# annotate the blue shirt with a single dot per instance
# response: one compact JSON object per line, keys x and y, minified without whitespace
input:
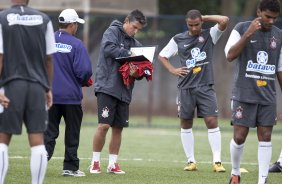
{"x":72,"y":69}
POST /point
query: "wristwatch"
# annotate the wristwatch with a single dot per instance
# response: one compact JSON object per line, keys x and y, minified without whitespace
{"x":129,"y":53}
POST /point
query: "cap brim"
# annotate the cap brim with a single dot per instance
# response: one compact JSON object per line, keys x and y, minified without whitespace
{"x":81,"y":21}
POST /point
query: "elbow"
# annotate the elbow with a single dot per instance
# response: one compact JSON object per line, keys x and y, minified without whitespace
{"x":161,"y":58}
{"x":229,"y":58}
{"x":226,"y":19}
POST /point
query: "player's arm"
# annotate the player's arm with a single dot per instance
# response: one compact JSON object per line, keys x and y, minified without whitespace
{"x":235,"y":50}
{"x":169,"y":50}
{"x":112,"y":46}
{"x":221,"y":20}
{"x":3,"y":99}
{"x":50,"y":49}
{"x":279,"y":70}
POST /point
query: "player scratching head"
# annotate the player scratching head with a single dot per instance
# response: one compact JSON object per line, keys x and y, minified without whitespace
{"x":194,"y":22}
{"x":268,"y":12}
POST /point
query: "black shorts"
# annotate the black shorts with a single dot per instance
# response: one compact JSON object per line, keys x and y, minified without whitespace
{"x":27,"y":105}
{"x":112,"y":111}
{"x":203,"y":98}
{"x":253,"y":115}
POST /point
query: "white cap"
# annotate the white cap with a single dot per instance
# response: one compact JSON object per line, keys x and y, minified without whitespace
{"x":70,"y":16}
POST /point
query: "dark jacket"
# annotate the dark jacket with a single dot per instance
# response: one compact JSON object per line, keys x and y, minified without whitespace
{"x":115,"y":43}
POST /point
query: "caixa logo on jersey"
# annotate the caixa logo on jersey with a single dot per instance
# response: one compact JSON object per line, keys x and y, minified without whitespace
{"x":64,"y":48}
{"x":26,"y":20}
{"x":261,"y":66}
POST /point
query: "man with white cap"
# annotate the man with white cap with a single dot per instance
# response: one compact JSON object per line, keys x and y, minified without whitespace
{"x":72,"y":71}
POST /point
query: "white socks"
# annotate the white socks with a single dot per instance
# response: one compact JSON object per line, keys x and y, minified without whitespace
{"x":3,"y":162}
{"x":96,"y":157}
{"x":264,"y":158}
{"x":38,"y":164}
{"x":236,"y":152}
{"x":214,"y":136}
{"x":112,"y":159}
{"x":187,"y":139}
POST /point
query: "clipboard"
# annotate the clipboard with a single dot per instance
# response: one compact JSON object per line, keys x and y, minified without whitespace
{"x":146,"y":53}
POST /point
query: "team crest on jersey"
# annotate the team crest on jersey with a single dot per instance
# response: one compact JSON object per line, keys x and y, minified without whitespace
{"x":273,"y":43}
{"x":197,"y":55}
{"x":201,"y":39}
{"x":105,"y":112}
{"x":239,"y":112}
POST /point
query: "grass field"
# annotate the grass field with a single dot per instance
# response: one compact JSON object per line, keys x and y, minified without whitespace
{"x":148,"y":155}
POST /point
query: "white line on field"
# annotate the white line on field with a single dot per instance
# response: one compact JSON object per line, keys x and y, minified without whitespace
{"x":137,"y":159}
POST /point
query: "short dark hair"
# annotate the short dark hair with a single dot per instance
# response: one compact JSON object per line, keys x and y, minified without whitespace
{"x":137,"y":15}
{"x":271,"y":5}
{"x":63,"y":25}
{"x":193,"y":14}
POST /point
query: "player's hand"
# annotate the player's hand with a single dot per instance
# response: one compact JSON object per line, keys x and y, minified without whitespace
{"x":4,"y":101}
{"x":254,"y":26}
{"x":49,"y":97}
{"x":180,"y":72}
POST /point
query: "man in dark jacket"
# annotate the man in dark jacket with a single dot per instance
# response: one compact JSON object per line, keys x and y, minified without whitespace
{"x":72,"y":70}
{"x":113,"y":97}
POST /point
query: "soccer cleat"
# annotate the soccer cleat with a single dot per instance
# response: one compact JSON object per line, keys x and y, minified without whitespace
{"x":191,"y":166}
{"x":235,"y":179}
{"x":275,"y":168}
{"x":115,"y":169}
{"x":78,"y":173}
{"x":95,"y":168}
{"x":218,"y":167}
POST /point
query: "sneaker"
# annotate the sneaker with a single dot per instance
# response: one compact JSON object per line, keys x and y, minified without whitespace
{"x":235,"y":179}
{"x":67,"y":173}
{"x":275,"y":168}
{"x":218,"y":167}
{"x":191,"y":166}
{"x":95,"y":168}
{"x":115,"y":169}
{"x":78,"y":173}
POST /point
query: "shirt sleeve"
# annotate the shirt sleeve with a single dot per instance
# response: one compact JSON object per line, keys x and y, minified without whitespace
{"x":1,"y":40}
{"x":50,"y":39}
{"x":215,"y":33}
{"x":232,"y":40}
{"x":170,"y":49}
{"x":279,"y":69}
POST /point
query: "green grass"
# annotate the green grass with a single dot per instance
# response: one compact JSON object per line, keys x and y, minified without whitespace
{"x":148,"y":155}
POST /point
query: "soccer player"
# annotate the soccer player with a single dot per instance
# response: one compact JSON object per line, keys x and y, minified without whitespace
{"x":277,"y":166}
{"x":72,"y":70}
{"x":26,"y":44}
{"x":113,"y":97}
{"x":255,"y":46}
{"x":195,"y":81}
